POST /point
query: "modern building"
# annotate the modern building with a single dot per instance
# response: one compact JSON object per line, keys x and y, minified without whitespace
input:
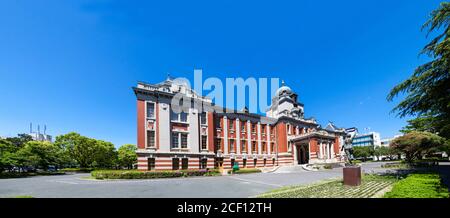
{"x":219,"y":137}
{"x":38,"y":136}
{"x":368,"y":139}
{"x":387,"y":141}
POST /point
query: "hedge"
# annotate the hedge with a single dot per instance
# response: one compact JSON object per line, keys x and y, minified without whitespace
{"x":134,"y":174}
{"x":7,"y":175}
{"x":246,"y":170}
{"x":419,"y":185}
{"x":77,"y":170}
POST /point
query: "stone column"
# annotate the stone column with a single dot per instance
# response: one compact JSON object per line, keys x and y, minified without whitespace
{"x":269,"y":143}
{"x":320,"y":150}
{"x":225,"y":135}
{"x":238,"y":136}
{"x":258,"y":132}
{"x":249,"y":137}
{"x":332,"y":150}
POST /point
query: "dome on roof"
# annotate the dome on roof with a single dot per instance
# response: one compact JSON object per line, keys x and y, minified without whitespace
{"x":283,"y":89}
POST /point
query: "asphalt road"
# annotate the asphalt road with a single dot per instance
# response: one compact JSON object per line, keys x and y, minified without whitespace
{"x":75,"y":186}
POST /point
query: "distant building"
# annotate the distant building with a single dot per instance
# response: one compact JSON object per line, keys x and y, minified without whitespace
{"x":368,"y":139}
{"x":387,"y":141}
{"x":38,"y":136}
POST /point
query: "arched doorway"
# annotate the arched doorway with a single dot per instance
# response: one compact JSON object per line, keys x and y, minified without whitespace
{"x":302,"y":154}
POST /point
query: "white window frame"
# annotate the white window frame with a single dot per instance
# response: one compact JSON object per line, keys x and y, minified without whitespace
{"x":179,"y":138}
{"x":206,"y":119}
{"x":178,"y":116}
{"x":154,"y":139}
{"x":146,"y":110}
{"x":206,"y":142}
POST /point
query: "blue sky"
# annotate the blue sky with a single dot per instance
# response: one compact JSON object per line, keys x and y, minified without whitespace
{"x":71,"y":64}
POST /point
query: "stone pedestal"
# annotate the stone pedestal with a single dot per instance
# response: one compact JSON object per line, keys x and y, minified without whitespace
{"x":352,"y":175}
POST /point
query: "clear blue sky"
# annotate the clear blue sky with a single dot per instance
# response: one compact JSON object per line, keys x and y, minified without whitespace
{"x":71,"y":64}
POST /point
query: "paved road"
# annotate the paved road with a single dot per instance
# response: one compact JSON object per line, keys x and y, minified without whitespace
{"x":195,"y":187}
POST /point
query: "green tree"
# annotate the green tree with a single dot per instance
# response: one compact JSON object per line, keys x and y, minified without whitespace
{"x":79,"y":148}
{"x":363,"y":152}
{"x":87,"y":152}
{"x":127,"y":155}
{"x":40,"y":154}
{"x":20,"y":140}
{"x":105,"y":155}
{"x":428,"y":89}
{"x":414,"y":145}
{"x":7,"y":150}
{"x":384,"y":151}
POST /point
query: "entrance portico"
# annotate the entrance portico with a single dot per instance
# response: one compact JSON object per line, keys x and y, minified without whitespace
{"x":314,"y":147}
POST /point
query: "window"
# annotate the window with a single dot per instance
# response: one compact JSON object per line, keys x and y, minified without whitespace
{"x":272,"y":147}
{"x":243,"y":145}
{"x":231,"y":125}
{"x":173,"y":116}
{"x":243,"y":126}
{"x":218,"y":123}
{"x":231,"y":145}
{"x":264,"y":147}
{"x":151,"y":163}
{"x":150,"y":110}
{"x":178,"y":117}
{"x":184,"y":163}
{"x":183,"y":117}
{"x":150,"y":138}
{"x":203,"y":163}
{"x":203,"y":118}
{"x":244,"y":163}
{"x":175,"y":142}
{"x":218,"y":144}
{"x":175,"y":164}
{"x":204,"y":142}
{"x":179,"y":140}
{"x":255,"y":162}
{"x":184,"y":138}
{"x":254,"y":147}
{"x":253,"y":128}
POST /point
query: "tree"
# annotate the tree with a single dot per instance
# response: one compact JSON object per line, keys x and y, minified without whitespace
{"x":79,"y":148}
{"x":105,"y":154}
{"x":363,"y":152}
{"x":428,"y":89}
{"x":415,"y":145}
{"x":40,"y":154}
{"x":87,"y":152}
{"x":383,"y":151}
{"x":127,"y":155}
{"x":20,"y":140}
{"x":7,"y":150}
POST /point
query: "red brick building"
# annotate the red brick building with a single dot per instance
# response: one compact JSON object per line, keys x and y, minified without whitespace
{"x":217,"y":138}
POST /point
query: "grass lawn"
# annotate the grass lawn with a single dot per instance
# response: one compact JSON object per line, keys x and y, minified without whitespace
{"x":371,"y":184}
{"x":419,"y":185}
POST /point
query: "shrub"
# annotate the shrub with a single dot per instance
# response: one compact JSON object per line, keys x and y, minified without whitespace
{"x":328,"y":166}
{"x":77,"y":170}
{"x":246,"y":170}
{"x":419,"y":185}
{"x":134,"y":174}
{"x":6,"y":175}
